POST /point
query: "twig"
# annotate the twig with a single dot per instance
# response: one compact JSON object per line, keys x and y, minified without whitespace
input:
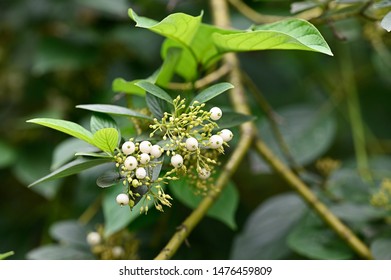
{"x":343,"y":231}
{"x":212,"y":77}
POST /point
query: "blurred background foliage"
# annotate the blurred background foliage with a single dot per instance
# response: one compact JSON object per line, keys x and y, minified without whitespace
{"x":57,"y":54}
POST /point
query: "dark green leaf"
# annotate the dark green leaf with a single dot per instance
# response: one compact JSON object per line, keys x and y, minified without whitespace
{"x":231,"y":119}
{"x":108,"y":179}
{"x":312,"y":239}
{"x":67,"y":127}
{"x":156,"y":105}
{"x":100,"y":120}
{"x":301,"y":126}
{"x":8,"y":155}
{"x":117,"y":217}
{"x":71,"y":168}
{"x":155,"y":90}
{"x":266,"y":230}
{"x":70,"y":233}
{"x":113,"y":110}
{"x":223,"y":209}
{"x":211,"y":92}
{"x":106,"y":139}
{"x":58,"y":252}
{"x":357,"y":213}
{"x":289,"y":34}
{"x":94,"y":155}
{"x":381,"y":249}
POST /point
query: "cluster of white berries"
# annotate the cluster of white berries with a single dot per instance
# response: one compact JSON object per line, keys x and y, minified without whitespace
{"x":189,"y":138}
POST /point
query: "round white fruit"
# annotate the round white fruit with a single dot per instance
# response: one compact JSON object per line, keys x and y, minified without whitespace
{"x":215,"y":113}
{"x":177,"y":161}
{"x":128,"y":147}
{"x":131,"y":163}
{"x":215,"y":141}
{"x":191,"y":144}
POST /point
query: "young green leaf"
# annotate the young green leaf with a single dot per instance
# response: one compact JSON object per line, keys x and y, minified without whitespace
{"x":106,"y":139}
{"x":121,"y":85}
{"x":71,"y":168}
{"x":224,"y":208}
{"x":211,"y":92}
{"x":113,"y":110}
{"x":290,"y":34}
{"x":155,"y":90}
{"x":179,"y":27}
{"x":67,"y":127}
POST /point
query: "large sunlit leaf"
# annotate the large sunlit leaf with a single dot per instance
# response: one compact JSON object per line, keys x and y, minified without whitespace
{"x":179,"y":27}
{"x":266,"y":230}
{"x":290,"y":34}
{"x":67,"y":127}
{"x":223,"y":209}
{"x":211,"y":92}
{"x":113,"y":110}
{"x":106,"y":139}
{"x":71,"y":168}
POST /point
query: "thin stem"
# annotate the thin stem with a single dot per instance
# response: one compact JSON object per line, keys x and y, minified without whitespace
{"x":356,"y":121}
{"x":343,"y":231}
{"x":6,"y":255}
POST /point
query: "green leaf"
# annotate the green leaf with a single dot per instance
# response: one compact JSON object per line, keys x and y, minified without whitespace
{"x":223,"y":209}
{"x":100,"y":120}
{"x":297,"y":7}
{"x":156,"y":105}
{"x":113,"y":110}
{"x":108,"y":179}
{"x":8,"y":154}
{"x":3,"y":256}
{"x":71,"y":168}
{"x":117,"y":217}
{"x":66,"y":151}
{"x":155,"y":90}
{"x":106,"y":139}
{"x":69,"y":232}
{"x":94,"y":155}
{"x":301,"y":126}
{"x":290,"y":34}
{"x":121,"y":85}
{"x":59,"y":252}
{"x":381,"y":249}
{"x":357,"y":213}
{"x":231,"y":119}
{"x":266,"y":230}
{"x":312,"y":239}
{"x":179,"y":27}
{"x":211,"y":92}
{"x":67,"y":127}
{"x":167,"y":70}
{"x":386,"y":22}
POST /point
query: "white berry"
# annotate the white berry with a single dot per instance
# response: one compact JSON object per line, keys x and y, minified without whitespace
{"x":191,"y":144}
{"x":177,"y":161}
{"x":141,"y":173}
{"x":144,"y":158}
{"x":156,"y":151}
{"x":131,"y":163}
{"x":93,"y":238}
{"x":204,"y":173}
{"x":128,"y":147}
{"x":117,"y":251}
{"x":145,"y":147}
{"x":216,"y":141}
{"x":122,"y":199}
{"x":226,"y":134}
{"x":215,"y":113}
